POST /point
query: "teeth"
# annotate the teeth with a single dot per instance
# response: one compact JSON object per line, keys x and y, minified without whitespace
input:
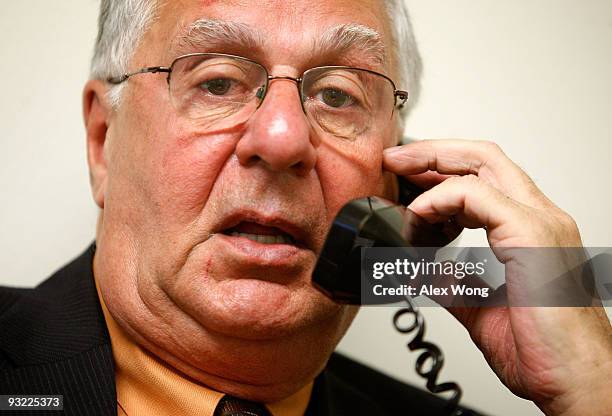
{"x":265,"y":239}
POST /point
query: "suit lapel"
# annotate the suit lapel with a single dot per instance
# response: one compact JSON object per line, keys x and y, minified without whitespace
{"x":54,"y":341}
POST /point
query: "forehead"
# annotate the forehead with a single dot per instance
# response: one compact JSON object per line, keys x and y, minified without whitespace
{"x":286,"y":27}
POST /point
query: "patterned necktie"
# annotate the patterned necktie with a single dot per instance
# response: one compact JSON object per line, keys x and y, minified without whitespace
{"x":232,"y":406}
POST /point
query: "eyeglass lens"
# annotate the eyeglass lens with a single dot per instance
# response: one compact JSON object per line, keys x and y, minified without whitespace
{"x":218,"y":92}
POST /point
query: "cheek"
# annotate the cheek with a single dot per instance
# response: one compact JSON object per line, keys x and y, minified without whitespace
{"x":160,"y":185}
{"x":346,"y":175}
{"x":165,"y":166}
{"x":185,"y":170}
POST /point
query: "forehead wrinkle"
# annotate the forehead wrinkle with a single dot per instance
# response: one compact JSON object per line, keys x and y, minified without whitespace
{"x":204,"y":33}
{"x":352,"y":36}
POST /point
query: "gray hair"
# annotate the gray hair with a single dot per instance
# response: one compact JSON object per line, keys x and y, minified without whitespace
{"x":408,"y":56}
{"x":122,"y":24}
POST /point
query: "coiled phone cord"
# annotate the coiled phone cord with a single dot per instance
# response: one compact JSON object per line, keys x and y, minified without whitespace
{"x":432,"y":352}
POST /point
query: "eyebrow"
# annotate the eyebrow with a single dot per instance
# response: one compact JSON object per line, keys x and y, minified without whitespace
{"x":339,"y":40}
{"x":204,"y":34}
{"x":345,"y":38}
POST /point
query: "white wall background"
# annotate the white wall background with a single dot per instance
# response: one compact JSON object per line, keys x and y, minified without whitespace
{"x":534,"y":76}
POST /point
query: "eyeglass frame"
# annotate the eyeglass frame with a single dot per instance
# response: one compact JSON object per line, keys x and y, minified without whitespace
{"x":401,"y":94}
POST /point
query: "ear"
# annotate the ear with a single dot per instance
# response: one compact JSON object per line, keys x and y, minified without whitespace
{"x":96,"y":115}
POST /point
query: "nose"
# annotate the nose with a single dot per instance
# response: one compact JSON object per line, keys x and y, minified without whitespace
{"x":278,"y":134}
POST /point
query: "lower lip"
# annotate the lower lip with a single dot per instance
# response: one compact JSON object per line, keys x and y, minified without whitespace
{"x":262,"y":253}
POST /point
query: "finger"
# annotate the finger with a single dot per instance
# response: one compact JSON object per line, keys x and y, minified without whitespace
{"x":428,"y":179}
{"x":472,"y":202}
{"x":464,"y":157}
{"x":446,"y":156}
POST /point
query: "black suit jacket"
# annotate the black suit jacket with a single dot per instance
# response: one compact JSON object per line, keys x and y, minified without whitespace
{"x":54,"y":340}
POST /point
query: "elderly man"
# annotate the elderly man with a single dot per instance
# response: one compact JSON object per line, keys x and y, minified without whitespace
{"x":223,"y":137}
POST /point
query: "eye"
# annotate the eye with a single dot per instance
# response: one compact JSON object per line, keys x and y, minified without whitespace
{"x":219,"y":86}
{"x":335,"y":98}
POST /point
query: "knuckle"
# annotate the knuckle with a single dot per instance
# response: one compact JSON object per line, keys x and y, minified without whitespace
{"x":568,"y":222}
{"x":563,"y":226}
{"x":491,"y":147}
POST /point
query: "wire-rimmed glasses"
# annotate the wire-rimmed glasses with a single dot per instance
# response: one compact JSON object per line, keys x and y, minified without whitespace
{"x":219,"y":91}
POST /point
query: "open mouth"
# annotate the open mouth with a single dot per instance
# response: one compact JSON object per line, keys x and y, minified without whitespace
{"x":264,"y":234}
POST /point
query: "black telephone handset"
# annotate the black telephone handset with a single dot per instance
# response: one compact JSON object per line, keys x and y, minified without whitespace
{"x":376,"y":222}
{"x":371,"y":222}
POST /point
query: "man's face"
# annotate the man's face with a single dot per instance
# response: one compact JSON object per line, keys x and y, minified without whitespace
{"x":237,"y":314}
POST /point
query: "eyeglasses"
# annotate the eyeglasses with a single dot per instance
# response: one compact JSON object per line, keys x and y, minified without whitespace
{"x":220,"y":91}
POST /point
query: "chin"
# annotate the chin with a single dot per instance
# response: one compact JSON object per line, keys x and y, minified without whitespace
{"x":259,"y":369}
{"x":254,"y":309}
